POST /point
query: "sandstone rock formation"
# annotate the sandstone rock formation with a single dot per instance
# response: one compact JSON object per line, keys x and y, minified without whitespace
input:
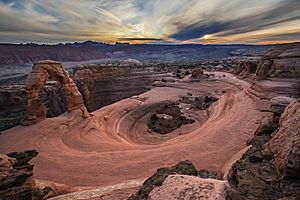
{"x":282,"y":61}
{"x":167,"y":119}
{"x":285,"y":143}
{"x":13,"y":102}
{"x":183,"y":168}
{"x":102,"y":85}
{"x":181,"y":73}
{"x":270,"y":168}
{"x":279,"y":103}
{"x":14,"y":173}
{"x":41,"y":72}
{"x":198,"y":73}
{"x":246,"y":68}
{"x":190,"y":187}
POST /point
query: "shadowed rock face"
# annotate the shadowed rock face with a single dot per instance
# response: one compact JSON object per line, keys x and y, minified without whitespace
{"x":285,"y":143}
{"x":197,"y":73}
{"x":102,"y":85}
{"x":270,"y":168}
{"x":13,"y":103}
{"x":41,"y":72}
{"x":14,"y":171}
{"x":167,"y":119}
{"x":246,"y":68}
{"x":282,"y":61}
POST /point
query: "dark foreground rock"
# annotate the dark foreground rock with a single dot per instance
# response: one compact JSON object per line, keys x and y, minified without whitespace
{"x":270,"y":168}
{"x":167,"y":119}
{"x":15,"y":172}
{"x":183,"y":168}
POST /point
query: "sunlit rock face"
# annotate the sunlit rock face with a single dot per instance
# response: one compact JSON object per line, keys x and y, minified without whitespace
{"x":41,"y":72}
{"x":190,"y":187}
{"x":282,"y":61}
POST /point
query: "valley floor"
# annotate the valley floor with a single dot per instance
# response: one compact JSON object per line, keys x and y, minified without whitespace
{"x":114,"y":145}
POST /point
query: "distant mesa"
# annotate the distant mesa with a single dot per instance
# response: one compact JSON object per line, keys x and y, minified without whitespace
{"x":50,"y":70}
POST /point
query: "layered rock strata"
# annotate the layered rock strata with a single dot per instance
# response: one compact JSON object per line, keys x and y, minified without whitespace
{"x":270,"y":168}
{"x":102,"y":85}
{"x":282,"y":61}
{"x":15,"y":172}
{"x":13,"y":103}
{"x":246,"y":68}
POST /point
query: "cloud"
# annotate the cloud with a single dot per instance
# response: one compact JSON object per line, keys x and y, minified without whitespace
{"x":218,"y":23}
{"x":140,"y":39}
{"x":154,"y":20}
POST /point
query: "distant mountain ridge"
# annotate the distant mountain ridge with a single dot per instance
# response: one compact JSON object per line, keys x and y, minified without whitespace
{"x":11,"y":54}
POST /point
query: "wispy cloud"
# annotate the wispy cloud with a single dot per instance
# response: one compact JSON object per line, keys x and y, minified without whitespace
{"x":181,"y":21}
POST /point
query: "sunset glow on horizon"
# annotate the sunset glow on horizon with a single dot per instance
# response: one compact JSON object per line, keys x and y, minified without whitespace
{"x":154,"y":21}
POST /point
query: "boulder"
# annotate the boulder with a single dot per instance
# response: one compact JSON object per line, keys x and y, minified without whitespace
{"x":183,"y":168}
{"x":6,"y":165}
{"x":167,"y":119}
{"x":267,"y":126}
{"x":190,"y":187}
{"x":197,"y":73}
{"x":279,"y":103}
{"x":15,"y":172}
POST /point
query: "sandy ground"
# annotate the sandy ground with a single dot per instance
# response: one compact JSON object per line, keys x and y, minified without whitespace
{"x":114,"y":146}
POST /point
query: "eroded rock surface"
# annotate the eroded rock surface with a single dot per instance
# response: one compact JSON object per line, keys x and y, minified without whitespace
{"x":282,"y":61}
{"x":183,"y":168}
{"x":102,"y":85}
{"x":270,"y":168}
{"x":246,"y":68}
{"x":167,"y":119}
{"x":198,"y":73}
{"x":13,"y":103}
{"x":14,"y":173}
{"x":41,"y":72}
{"x":285,"y":143}
{"x":190,"y":187}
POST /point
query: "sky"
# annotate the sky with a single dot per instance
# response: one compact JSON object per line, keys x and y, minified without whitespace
{"x":150,"y":21}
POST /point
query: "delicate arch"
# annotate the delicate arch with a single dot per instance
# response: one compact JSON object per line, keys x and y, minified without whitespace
{"x":53,"y":70}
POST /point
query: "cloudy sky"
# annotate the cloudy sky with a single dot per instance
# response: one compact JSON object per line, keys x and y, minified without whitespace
{"x":150,"y":21}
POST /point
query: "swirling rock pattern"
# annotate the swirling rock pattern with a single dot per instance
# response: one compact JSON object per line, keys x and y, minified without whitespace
{"x":114,"y":145}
